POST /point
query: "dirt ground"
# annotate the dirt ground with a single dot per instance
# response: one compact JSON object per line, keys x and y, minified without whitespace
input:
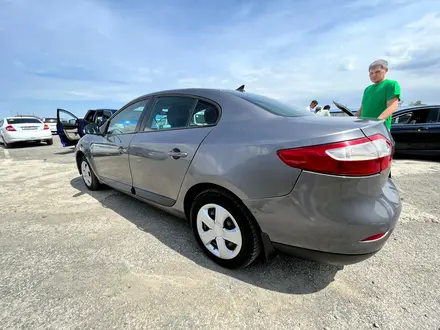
{"x":71,"y":258}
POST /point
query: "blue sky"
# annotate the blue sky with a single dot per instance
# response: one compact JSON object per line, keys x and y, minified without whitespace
{"x":102,"y":53}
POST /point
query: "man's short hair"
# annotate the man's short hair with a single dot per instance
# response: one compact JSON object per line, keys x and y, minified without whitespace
{"x":378,"y":63}
{"x":314,"y":101}
{"x":327,"y":107}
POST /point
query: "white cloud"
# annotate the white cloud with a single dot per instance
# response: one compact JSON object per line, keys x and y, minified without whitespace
{"x":276,"y":48}
{"x":418,"y":48}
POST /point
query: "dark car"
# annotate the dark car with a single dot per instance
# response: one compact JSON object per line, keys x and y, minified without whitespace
{"x":416,"y":130}
{"x":71,"y":128}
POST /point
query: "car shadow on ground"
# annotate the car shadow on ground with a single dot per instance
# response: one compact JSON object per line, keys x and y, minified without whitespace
{"x":22,"y":145}
{"x":70,"y":150}
{"x":283,"y":273}
{"x":425,"y":158}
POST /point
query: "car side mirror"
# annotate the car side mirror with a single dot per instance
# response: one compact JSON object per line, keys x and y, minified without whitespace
{"x":92,"y":129}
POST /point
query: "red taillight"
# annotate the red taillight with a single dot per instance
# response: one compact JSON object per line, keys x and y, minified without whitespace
{"x":46,"y":126}
{"x":10,"y":128}
{"x":359,"y":157}
{"x":374,"y":237}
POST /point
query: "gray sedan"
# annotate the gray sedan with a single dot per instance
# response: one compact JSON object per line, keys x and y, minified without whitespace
{"x":253,"y":176}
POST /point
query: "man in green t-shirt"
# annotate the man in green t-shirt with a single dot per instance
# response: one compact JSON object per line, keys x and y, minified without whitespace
{"x":381,"y":98}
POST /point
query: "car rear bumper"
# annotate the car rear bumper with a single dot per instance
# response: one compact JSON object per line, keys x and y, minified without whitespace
{"x":325,"y":217}
{"x":322,"y":257}
{"x":13,"y":137}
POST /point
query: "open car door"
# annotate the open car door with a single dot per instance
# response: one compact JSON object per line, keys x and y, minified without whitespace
{"x":68,"y":127}
{"x":343,"y":108}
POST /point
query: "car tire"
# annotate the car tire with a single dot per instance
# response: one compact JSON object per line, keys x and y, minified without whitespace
{"x":6,"y":145}
{"x":225,"y":216}
{"x":49,"y":142}
{"x":89,"y":178}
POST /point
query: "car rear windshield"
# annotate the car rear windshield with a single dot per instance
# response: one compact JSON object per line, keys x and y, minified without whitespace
{"x":23,"y":121}
{"x":50,"y":120}
{"x":273,"y":106}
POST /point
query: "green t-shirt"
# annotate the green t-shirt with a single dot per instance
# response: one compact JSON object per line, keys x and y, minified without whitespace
{"x":375,"y":99}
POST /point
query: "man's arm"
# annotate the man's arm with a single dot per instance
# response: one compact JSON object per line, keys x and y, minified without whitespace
{"x":392,"y":95}
{"x":392,"y":106}
{"x":359,"y":112}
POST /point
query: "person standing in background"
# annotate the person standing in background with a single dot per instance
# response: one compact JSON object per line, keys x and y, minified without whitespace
{"x":324,"y":112}
{"x":381,"y":98}
{"x":312,"y":106}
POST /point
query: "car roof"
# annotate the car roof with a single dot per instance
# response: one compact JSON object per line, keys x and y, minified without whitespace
{"x":103,"y":109}
{"x":190,"y":91}
{"x":419,"y":106}
{"x":25,"y":117}
{"x":415,"y":107}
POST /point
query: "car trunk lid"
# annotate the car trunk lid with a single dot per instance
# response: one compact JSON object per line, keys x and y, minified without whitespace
{"x":340,"y":146}
{"x":316,"y":129}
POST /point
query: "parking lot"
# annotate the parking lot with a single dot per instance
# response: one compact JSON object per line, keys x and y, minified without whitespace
{"x":71,"y":258}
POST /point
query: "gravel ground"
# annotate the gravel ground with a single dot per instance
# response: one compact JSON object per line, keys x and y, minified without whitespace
{"x":72,"y":259}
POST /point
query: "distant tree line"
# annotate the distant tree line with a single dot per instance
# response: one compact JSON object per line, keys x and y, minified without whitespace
{"x":412,"y":103}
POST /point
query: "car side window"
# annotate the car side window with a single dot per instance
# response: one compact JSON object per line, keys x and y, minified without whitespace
{"x":98,"y":117}
{"x":204,"y":114}
{"x":419,"y":116}
{"x":106,"y":115}
{"x":89,"y":116}
{"x":170,"y":112}
{"x":66,"y":118}
{"x":433,"y":116}
{"x":126,"y":121}
{"x":402,"y":119}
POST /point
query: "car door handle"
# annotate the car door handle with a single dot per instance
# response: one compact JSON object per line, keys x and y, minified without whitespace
{"x":176,"y":154}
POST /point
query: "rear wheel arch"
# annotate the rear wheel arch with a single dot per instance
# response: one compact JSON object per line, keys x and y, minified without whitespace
{"x":249,"y":246}
{"x":79,"y":156}
{"x":195,"y":190}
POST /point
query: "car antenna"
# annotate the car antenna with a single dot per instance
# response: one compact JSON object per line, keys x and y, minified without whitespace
{"x":240,"y":89}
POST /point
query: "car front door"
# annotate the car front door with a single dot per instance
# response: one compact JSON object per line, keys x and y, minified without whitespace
{"x":68,"y":126}
{"x":110,"y":155}
{"x":410,"y":130}
{"x":163,"y":149}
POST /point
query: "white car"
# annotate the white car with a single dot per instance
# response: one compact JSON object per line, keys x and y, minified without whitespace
{"x":23,"y":129}
{"x":52,"y":123}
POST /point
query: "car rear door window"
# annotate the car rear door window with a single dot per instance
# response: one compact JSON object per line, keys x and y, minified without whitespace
{"x":170,"y":112}
{"x":126,"y":121}
{"x":433,"y":116}
{"x":402,"y":119}
{"x":417,"y":116}
{"x":204,"y":114}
